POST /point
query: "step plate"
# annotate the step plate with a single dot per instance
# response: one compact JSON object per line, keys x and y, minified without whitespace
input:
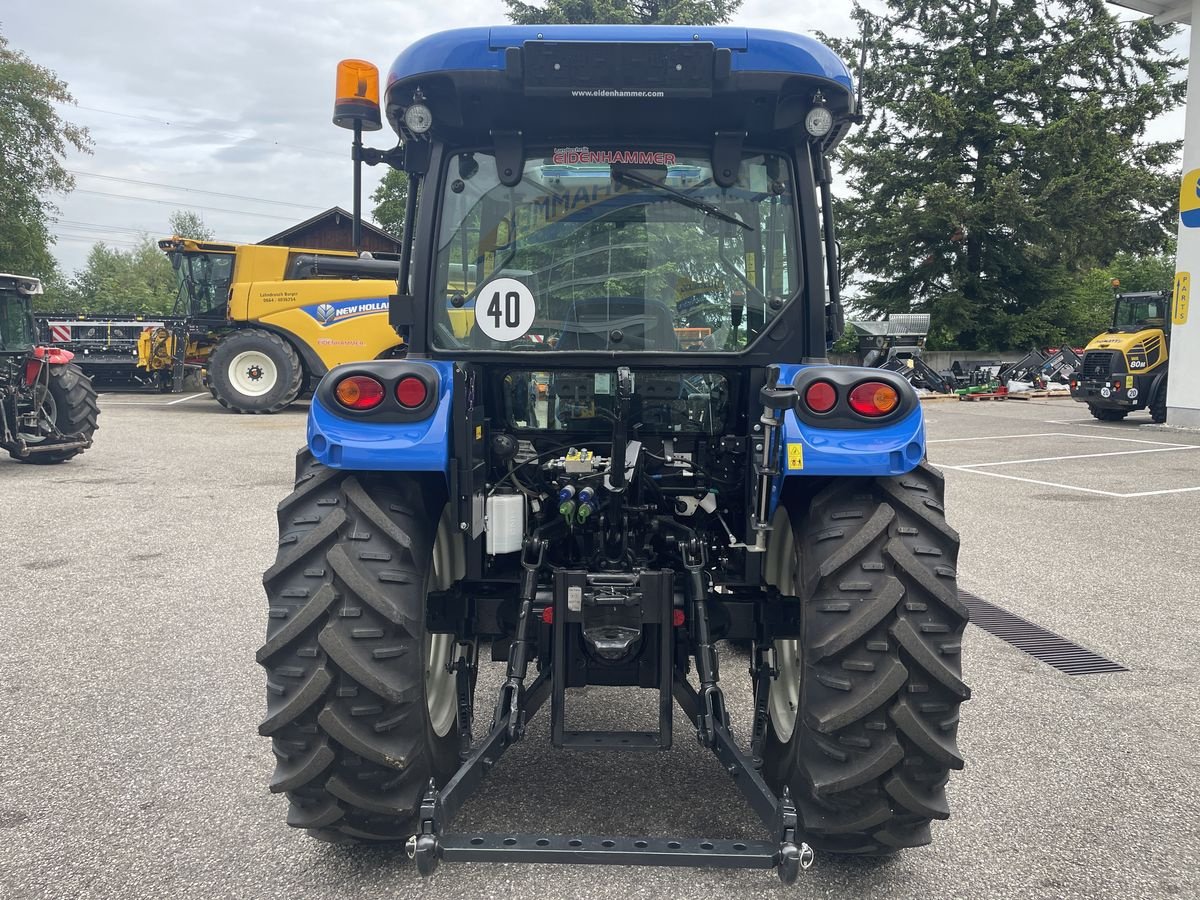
{"x":627,"y":851}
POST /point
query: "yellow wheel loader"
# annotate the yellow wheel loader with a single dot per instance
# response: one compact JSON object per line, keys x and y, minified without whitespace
{"x":1125,"y":368}
{"x":267,"y":322}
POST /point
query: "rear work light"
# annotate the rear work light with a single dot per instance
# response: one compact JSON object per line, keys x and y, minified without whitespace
{"x":359,"y":392}
{"x":820,"y":397}
{"x":874,"y":398}
{"x":411,"y":392}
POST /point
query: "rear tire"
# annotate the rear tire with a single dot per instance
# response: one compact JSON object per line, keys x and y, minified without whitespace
{"x":72,"y":406}
{"x":1158,"y":406}
{"x":864,"y":711}
{"x":255,"y":371}
{"x":361,"y":709}
{"x":1107,"y":415}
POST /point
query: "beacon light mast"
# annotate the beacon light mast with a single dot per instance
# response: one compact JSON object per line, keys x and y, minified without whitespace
{"x":1183,"y":388}
{"x":356,"y":106}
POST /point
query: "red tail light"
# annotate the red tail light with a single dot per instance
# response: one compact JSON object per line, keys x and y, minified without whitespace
{"x":359,"y":392}
{"x":874,"y":398}
{"x":411,"y":392}
{"x":820,"y":396}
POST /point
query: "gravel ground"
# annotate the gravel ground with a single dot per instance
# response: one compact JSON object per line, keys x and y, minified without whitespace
{"x":129,"y":697}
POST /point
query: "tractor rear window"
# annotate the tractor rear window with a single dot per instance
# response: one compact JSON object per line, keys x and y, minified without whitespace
{"x":616,"y":250}
{"x":664,"y":401}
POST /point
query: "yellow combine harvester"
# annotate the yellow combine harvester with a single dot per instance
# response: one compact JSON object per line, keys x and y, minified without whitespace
{"x":268,"y":322}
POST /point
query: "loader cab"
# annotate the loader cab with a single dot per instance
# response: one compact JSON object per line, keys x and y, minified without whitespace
{"x":203,"y":276}
{"x":17,"y":332}
{"x":1140,"y":312}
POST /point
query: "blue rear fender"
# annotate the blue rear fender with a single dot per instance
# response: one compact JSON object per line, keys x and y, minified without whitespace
{"x":369,"y":441}
{"x":871,"y":450}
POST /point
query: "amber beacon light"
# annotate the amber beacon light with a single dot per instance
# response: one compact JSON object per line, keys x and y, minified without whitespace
{"x":357,"y":99}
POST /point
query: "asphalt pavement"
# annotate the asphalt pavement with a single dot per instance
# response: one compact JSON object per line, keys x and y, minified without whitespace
{"x":130,"y":610}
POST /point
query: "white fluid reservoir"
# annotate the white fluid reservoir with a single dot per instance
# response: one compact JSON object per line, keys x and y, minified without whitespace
{"x":505,"y":523}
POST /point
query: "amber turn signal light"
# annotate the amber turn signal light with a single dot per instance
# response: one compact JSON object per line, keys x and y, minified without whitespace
{"x":359,"y":392}
{"x":874,"y":398}
{"x":356,"y":102}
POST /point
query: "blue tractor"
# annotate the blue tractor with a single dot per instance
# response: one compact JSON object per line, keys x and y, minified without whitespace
{"x":614,"y":439}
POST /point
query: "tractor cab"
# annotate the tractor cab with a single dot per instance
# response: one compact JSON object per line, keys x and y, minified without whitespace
{"x":17,"y":331}
{"x":1141,"y":312}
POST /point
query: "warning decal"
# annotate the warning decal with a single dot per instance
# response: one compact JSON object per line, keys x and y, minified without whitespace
{"x":795,"y":457}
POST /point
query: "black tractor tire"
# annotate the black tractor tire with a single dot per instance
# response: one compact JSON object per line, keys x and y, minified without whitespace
{"x":255,"y":371}
{"x":346,"y":651}
{"x":75,"y":411}
{"x":1107,"y":415}
{"x":876,"y":676}
{"x":1158,"y":404}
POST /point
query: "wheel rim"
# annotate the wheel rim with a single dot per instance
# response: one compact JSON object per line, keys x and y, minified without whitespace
{"x":784,"y":700}
{"x":253,"y":373}
{"x":441,"y":687}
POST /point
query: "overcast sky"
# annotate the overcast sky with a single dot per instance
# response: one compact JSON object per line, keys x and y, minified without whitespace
{"x":235,"y":98}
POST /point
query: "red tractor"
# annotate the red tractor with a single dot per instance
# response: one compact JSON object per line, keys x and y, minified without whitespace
{"x":47,"y":405}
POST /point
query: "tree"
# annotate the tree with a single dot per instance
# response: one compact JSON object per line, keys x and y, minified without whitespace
{"x":187,"y":224}
{"x":623,"y":12}
{"x":390,"y":197}
{"x":34,"y":140}
{"x":1004,"y":157}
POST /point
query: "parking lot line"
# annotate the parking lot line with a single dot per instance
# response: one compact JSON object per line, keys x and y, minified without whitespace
{"x":1013,"y":462}
{"x":1066,"y":434}
{"x":1070,"y":487}
{"x":185,"y":399}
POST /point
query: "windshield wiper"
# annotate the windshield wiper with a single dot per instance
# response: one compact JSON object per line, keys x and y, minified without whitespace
{"x":686,"y":199}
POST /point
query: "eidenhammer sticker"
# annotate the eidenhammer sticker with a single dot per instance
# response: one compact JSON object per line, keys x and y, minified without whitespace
{"x":505,"y":309}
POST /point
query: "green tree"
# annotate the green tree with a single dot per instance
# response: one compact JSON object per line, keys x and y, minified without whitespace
{"x":139,"y":280}
{"x":187,"y":224}
{"x":34,"y":141}
{"x":623,"y":12}
{"x":1005,"y":156}
{"x":390,"y":198}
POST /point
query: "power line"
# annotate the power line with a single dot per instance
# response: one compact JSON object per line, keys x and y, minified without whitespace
{"x":97,"y":226}
{"x":237,"y":137}
{"x":236,"y":212}
{"x":79,"y":239}
{"x":174,"y":187}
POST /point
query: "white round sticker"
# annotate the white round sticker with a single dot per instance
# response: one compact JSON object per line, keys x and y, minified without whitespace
{"x":1105,"y":392}
{"x":1132,"y":393}
{"x":504,"y":309}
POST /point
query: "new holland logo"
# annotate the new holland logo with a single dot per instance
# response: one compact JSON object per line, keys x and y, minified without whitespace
{"x":328,"y":314}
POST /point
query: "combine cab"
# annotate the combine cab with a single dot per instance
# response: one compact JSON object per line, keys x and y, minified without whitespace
{"x":598,"y":470}
{"x":47,"y":405}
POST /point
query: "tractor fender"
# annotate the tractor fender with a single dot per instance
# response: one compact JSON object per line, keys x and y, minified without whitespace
{"x":383,"y":442}
{"x":45,"y":356}
{"x":879,"y":450}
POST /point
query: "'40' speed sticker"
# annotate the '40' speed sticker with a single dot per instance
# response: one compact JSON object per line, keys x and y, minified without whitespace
{"x":505,"y":309}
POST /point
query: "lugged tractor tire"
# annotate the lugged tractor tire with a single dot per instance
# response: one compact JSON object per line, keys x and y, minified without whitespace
{"x":254,"y":371}
{"x":347,"y":654}
{"x":72,"y":402}
{"x":1107,"y":415}
{"x":863,"y":714}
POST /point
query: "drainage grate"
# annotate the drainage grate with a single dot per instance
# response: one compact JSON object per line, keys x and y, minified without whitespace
{"x":1035,"y":640}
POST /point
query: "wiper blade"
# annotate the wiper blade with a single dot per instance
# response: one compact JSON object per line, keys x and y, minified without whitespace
{"x":686,"y":199}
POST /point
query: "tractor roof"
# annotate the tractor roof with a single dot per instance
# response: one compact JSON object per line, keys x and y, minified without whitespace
{"x":669,"y":78}
{"x":25,"y":284}
{"x":752,"y":49}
